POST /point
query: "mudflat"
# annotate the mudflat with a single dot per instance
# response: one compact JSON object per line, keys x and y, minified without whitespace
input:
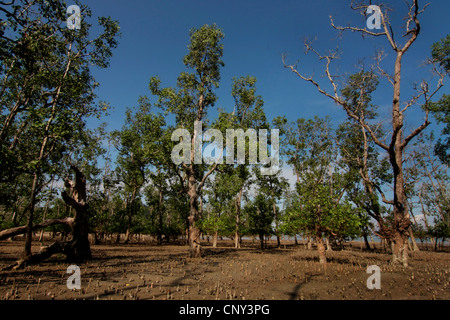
{"x":146,"y":271}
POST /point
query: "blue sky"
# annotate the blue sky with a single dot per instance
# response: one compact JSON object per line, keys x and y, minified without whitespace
{"x":155,"y":35}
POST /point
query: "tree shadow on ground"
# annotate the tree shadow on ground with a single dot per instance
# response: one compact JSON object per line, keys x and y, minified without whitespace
{"x":294,"y":294}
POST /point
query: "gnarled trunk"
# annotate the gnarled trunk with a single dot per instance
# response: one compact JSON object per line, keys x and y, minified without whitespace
{"x":80,"y":247}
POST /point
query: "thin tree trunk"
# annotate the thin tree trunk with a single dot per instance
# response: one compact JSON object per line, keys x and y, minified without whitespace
{"x":215,"y":238}
{"x":14,"y":218}
{"x":366,"y":241}
{"x":373,"y":242}
{"x":41,"y":237}
{"x":274,"y":208}
{"x":194,"y":232}
{"x":413,"y":240}
{"x":29,"y":234}
{"x":160,"y":217}
{"x":321,"y":249}
{"x":131,"y":212}
{"x":327,"y":240}
{"x":237,"y":243}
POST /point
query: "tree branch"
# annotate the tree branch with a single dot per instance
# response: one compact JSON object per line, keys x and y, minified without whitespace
{"x":8,"y":233}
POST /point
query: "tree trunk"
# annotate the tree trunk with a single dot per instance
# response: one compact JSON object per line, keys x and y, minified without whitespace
{"x":41,"y":237}
{"x":29,"y":234}
{"x":131,"y":212}
{"x":373,"y":242}
{"x":275,"y":215}
{"x":195,"y":250}
{"x":400,"y":249}
{"x":413,"y":240}
{"x":215,"y":238}
{"x":78,"y":248}
{"x":14,"y":218}
{"x":366,"y":241}
{"x":327,"y":239}
{"x":321,"y":249}
{"x":127,"y":236}
{"x":309,"y":242}
{"x":261,"y":240}
{"x":81,"y":249}
{"x":160,"y":217}
{"x":237,"y":243}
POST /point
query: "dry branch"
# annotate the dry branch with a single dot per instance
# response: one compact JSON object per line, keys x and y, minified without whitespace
{"x":8,"y":233}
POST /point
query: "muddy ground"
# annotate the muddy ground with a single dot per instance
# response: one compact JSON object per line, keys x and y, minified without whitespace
{"x":147,"y":271}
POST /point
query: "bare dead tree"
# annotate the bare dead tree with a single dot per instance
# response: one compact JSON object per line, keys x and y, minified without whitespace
{"x":394,"y":145}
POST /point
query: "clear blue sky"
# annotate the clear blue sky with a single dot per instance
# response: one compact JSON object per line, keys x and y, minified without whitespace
{"x":155,"y":35}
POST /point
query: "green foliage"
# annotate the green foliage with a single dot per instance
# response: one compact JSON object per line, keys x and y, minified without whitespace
{"x":441,"y":230}
{"x":194,"y":93}
{"x":358,"y":93}
{"x":260,"y":216}
{"x":47,"y":92}
{"x":231,"y":181}
{"x":366,"y":171}
{"x":430,"y":180}
{"x":205,"y":57}
{"x":440,"y":52}
{"x":318,"y":207}
{"x":441,"y":111}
